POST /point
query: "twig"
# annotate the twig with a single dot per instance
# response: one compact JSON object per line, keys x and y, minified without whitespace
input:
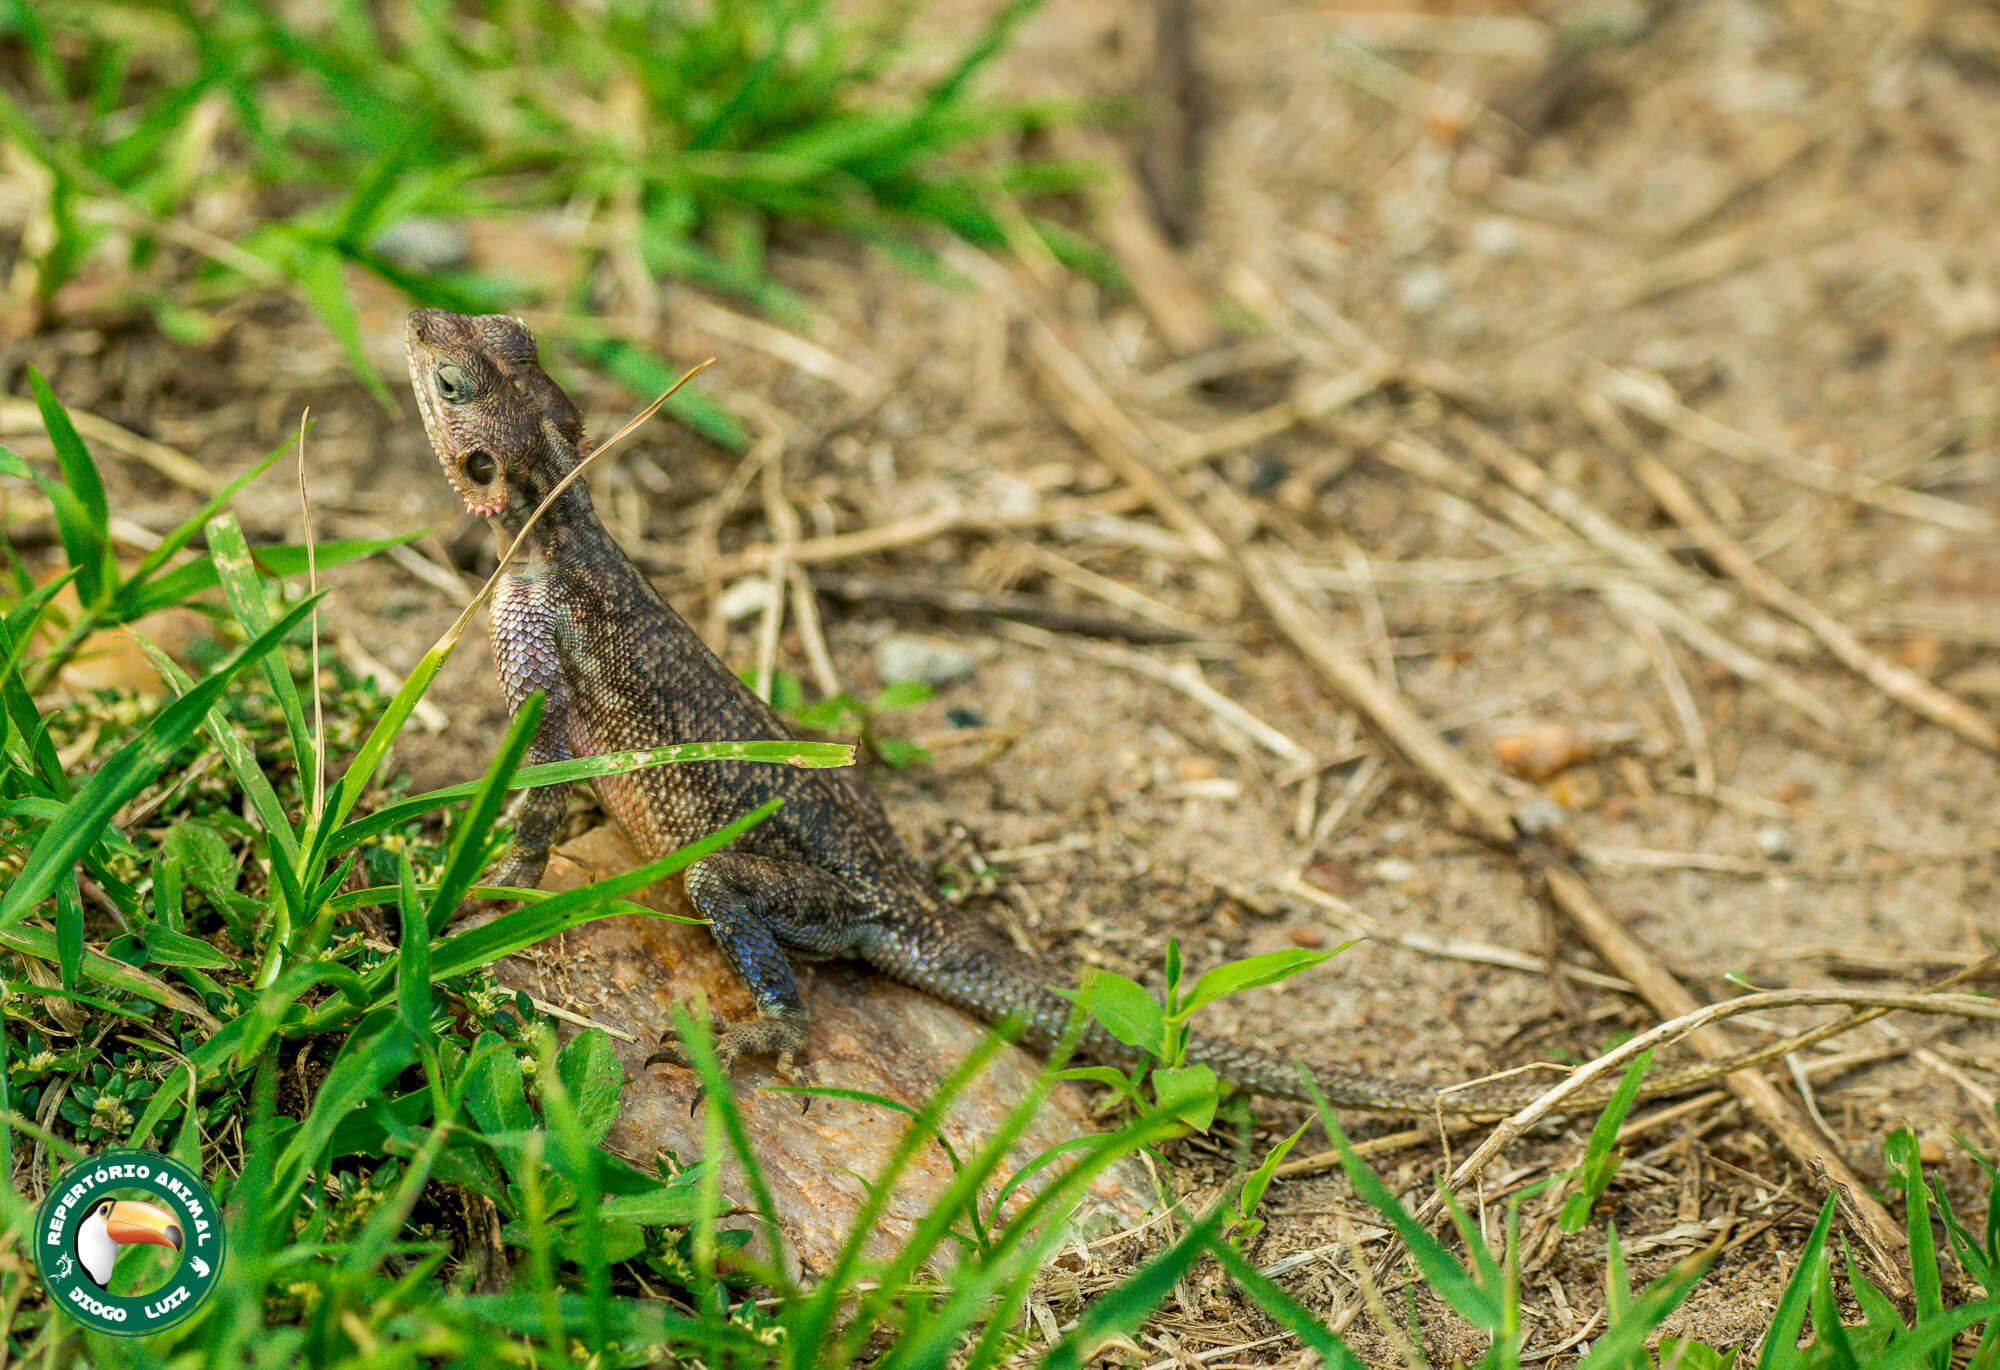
{"x":1905,"y":687}
{"x":1088,"y":409}
{"x":1654,"y":398}
{"x":1113,"y":592}
{"x":784,"y":524}
{"x":1483,"y":806}
{"x":19,"y":416}
{"x":698,"y":311}
{"x":1184,"y":676}
{"x":918,"y":528}
{"x":1019,"y":608}
{"x":1452,"y":948}
{"x":1310,"y":401}
{"x":1685,"y":711}
{"x":1629,"y":593}
{"x":805,"y":608}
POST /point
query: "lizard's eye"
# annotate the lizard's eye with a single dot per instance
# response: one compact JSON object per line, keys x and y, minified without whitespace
{"x":479,"y":465}
{"x":453,"y":385}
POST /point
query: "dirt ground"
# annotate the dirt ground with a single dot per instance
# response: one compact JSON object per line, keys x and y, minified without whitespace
{"x":1758,"y":248}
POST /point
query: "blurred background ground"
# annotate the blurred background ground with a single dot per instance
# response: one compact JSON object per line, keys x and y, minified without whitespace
{"x":1756,"y":244}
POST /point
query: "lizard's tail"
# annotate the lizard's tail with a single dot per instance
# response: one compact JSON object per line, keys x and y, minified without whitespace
{"x":995,"y":983}
{"x":1267,"y":1073}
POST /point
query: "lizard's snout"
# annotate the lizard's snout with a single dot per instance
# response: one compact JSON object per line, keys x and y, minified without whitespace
{"x":423,"y":325}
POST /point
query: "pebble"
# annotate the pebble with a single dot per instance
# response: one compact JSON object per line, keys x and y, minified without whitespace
{"x":1423,"y":289}
{"x":1496,"y":237}
{"x":1393,"y":870}
{"x":1542,"y":751}
{"x":1775,"y":842}
{"x":744,"y":597}
{"x":1539,"y":816}
{"x":906,"y":656}
{"x":425,"y":244}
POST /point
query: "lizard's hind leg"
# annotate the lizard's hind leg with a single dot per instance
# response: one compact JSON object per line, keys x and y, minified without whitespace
{"x":756,"y":907}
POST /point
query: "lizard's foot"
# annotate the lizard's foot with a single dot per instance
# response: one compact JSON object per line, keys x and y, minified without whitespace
{"x":781,"y":1036}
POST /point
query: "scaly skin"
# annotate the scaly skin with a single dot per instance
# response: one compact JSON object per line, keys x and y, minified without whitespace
{"x":826,"y":875}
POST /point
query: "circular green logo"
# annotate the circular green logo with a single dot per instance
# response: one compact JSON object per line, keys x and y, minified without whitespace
{"x":117,"y":1203}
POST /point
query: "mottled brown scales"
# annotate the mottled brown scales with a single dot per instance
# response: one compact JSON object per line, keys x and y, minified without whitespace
{"x":826,"y":875}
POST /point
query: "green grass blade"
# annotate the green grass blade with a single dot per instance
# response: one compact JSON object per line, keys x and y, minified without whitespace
{"x":467,"y":854}
{"x":92,"y":553}
{"x":237,"y":754}
{"x":1781,"y":1339}
{"x":375,"y":1054}
{"x":510,"y":932}
{"x":1933,"y":1337}
{"x":648,"y":375}
{"x":1600,"y":1163}
{"x":413,"y":956}
{"x":1828,"y":1330}
{"x":128,"y":770}
{"x":279,"y":561}
{"x":1452,"y":1283}
{"x":69,"y":933}
{"x":1624,"y":1339}
{"x":719,"y":1096}
{"x":184,"y":532}
{"x":114,"y":974}
{"x":1283,"y":1309}
{"x":244,"y":589}
{"x":322,"y":274}
{"x":1901,"y":1149}
{"x":1124,"y":1308}
{"x":808,"y":754}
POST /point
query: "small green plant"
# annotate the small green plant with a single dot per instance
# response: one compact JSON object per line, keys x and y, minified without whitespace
{"x":1159,"y":1027}
{"x":1600,"y":1161}
{"x":843,"y":713}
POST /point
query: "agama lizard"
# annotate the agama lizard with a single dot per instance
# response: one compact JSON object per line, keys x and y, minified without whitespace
{"x":826,"y":875}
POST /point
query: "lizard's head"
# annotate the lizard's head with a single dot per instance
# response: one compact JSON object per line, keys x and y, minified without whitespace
{"x":490,"y":409}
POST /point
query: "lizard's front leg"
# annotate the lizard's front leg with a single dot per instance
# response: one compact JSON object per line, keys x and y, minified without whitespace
{"x":756,"y":907}
{"x":524,"y":651}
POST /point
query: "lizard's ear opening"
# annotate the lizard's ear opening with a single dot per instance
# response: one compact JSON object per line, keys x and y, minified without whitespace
{"x":480,"y":466}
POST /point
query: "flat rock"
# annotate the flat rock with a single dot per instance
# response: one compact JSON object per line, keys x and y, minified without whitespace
{"x":868,"y":1034}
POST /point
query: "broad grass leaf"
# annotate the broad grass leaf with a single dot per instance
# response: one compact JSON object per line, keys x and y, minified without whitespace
{"x":1252,"y":971}
{"x":593,"y":1077}
{"x":1124,"y":1007}
{"x":127,"y":771}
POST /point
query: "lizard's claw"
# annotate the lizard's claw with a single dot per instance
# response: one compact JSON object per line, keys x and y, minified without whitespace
{"x":669,"y":1053}
{"x":780,"y":1036}
{"x":798,"y":1072}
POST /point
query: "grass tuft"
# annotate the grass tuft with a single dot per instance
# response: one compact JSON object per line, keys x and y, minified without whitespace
{"x":679,"y":141}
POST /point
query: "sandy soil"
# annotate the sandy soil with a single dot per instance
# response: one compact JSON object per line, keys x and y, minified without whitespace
{"x":1780,"y":215}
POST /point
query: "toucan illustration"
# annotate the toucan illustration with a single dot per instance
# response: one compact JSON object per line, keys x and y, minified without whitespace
{"x":120,"y":1222}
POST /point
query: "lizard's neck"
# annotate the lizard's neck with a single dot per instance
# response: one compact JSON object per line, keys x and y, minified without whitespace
{"x":567,"y":526}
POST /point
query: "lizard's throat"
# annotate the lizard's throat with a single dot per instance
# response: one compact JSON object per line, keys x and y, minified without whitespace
{"x":566,"y":513}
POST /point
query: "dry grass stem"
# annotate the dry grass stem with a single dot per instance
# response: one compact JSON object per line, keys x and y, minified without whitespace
{"x":23,"y":416}
{"x":1184,"y":676}
{"x":1087,"y":407}
{"x":1907,"y":688}
{"x":1654,"y":399}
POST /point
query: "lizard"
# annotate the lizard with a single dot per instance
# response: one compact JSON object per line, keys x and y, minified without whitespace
{"x":826,"y":875}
